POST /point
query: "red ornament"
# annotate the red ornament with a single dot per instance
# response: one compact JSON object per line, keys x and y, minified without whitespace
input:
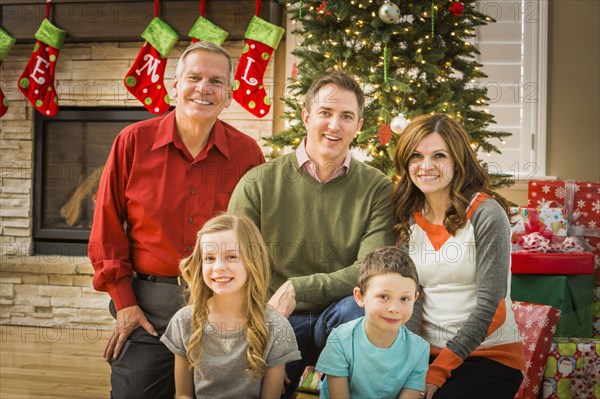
{"x":457,"y":8}
{"x":385,"y":134}
{"x":322,"y":10}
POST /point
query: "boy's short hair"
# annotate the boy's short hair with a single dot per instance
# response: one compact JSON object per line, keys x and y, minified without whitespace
{"x":386,"y":260}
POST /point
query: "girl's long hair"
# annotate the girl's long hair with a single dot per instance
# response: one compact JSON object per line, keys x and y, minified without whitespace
{"x":253,"y":253}
{"x":469,"y":176}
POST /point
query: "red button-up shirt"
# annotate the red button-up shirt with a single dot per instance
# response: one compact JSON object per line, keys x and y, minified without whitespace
{"x":154,"y":197}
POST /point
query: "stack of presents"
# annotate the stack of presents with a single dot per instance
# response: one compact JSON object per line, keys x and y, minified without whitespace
{"x":556,"y":288}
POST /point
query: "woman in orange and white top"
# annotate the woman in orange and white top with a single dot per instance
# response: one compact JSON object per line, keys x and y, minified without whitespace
{"x":458,"y":234}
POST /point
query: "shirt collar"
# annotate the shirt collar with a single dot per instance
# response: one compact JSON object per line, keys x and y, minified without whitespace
{"x":167,"y":133}
{"x":302,"y":156}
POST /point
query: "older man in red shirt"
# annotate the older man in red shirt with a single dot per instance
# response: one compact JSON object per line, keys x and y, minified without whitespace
{"x":164,"y":178}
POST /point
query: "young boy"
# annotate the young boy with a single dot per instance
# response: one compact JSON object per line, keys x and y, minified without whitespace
{"x":376,"y":356}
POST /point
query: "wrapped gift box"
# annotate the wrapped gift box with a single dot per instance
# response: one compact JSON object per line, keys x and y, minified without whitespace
{"x":551,"y":263}
{"x":572,"y":370}
{"x":537,"y":324}
{"x":572,"y":294}
{"x":311,"y":380}
{"x":581,"y":201}
{"x":596,"y":317}
{"x":546,"y":220}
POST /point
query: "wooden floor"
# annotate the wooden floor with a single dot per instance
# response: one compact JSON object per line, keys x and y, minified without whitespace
{"x":65,"y":362}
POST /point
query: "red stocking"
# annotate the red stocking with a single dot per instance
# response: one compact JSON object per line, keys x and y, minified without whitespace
{"x":6,"y":43}
{"x":145,"y":78}
{"x":37,"y":80}
{"x":262,"y":38}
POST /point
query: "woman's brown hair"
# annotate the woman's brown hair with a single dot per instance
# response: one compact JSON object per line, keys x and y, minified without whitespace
{"x":469,"y":176}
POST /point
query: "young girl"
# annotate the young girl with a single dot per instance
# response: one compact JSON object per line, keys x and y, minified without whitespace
{"x":226,"y":343}
{"x":458,"y":235}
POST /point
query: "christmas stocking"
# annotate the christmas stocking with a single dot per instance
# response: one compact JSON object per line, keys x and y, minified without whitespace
{"x":37,"y":80}
{"x":145,"y":78}
{"x":206,"y":31}
{"x":6,"y":43}
{"x":262,"y":38}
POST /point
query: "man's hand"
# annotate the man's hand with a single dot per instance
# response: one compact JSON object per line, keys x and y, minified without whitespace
{"x":430,"y":390}
{"x":128,"y":319}
{"x":283,"y":300}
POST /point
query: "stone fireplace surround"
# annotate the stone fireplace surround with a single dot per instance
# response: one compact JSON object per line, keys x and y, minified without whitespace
{"x":56,"y":290}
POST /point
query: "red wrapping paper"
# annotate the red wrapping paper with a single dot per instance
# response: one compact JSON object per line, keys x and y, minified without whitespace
{"x":537,"y":325}
{"x":582,"y":203}
{"x":551,"y":263}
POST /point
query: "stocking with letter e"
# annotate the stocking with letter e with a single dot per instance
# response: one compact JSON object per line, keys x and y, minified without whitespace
{"x":37,"y":80}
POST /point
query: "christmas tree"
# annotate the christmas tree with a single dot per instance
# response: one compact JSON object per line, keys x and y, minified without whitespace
{"x":412,"y":57}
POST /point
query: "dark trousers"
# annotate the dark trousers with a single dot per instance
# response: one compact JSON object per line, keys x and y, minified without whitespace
{"x":311,"y":330}
{"x":481,"y":378}
{"x":145,"y":367}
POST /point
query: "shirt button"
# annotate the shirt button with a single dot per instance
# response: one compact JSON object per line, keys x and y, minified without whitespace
{"x":311,"y":165}
{"x":189,"y":248}
{"x":190,"y":220}
{"x":193,"y":191}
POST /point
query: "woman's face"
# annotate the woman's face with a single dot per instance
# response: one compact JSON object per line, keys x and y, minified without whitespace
{"x":431,"y":167}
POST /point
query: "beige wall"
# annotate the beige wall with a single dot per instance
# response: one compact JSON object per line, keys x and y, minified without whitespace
{"x":574,"y":90}
{"x":573,"y":114}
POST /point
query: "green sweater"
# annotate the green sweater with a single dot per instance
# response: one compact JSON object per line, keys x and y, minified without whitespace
{"x":316,"y":233}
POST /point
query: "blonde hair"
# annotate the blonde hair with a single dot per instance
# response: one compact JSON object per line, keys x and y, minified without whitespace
{"x":254,"y":255}
{"x":208,"y":47}
{"x":469,"y":176}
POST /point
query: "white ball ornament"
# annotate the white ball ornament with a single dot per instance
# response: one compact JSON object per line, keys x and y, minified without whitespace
{"x":389,"y":12}
{"x":398,"y":124}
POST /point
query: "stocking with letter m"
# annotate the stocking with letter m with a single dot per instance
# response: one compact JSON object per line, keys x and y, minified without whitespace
{"x":145,"y":79}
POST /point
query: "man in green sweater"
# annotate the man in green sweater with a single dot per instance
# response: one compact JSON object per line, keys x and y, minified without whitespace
{"x":320,"y":212}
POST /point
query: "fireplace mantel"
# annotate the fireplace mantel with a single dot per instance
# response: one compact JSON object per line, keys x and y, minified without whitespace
{"x":101,"y":21}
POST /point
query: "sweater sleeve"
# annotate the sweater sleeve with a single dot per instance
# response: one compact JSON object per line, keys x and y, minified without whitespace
{"x":492,"y":243}
{"x":325,"y":288}
{"x":245,"y":199}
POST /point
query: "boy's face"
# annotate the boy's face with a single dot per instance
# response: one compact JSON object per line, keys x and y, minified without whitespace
{"x":388,"y":303}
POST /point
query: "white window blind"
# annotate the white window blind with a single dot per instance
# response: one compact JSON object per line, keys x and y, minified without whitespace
{"x":513,"y":54}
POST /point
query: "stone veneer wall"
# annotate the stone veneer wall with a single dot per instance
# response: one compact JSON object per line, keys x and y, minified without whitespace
{"x":42,"y":289}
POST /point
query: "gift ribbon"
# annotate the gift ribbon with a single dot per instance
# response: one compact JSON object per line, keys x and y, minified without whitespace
{"x":572,"y":215}
{"x":535,"y":226}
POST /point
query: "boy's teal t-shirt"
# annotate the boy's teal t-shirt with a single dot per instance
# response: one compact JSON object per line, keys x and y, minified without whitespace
{"x":374,"y":372}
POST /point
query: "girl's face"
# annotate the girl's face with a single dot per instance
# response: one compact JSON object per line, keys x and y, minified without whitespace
{"x":431,"y":166}
{"x":223,"y":270}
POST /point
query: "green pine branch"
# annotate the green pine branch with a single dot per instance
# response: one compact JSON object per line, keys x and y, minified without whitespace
{"x":425,"y":73}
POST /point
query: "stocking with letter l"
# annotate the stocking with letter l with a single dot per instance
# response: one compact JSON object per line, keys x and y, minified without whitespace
{"x":262,"y":38}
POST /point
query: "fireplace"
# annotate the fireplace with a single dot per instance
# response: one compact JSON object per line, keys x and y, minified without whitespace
{"x":70,"y":151}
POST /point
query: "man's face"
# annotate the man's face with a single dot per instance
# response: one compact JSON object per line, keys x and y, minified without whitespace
{"x":331,"y":124}
{"x":201,"y":89}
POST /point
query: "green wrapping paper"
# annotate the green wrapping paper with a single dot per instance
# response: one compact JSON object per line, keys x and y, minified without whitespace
{"x":571,"y":294}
